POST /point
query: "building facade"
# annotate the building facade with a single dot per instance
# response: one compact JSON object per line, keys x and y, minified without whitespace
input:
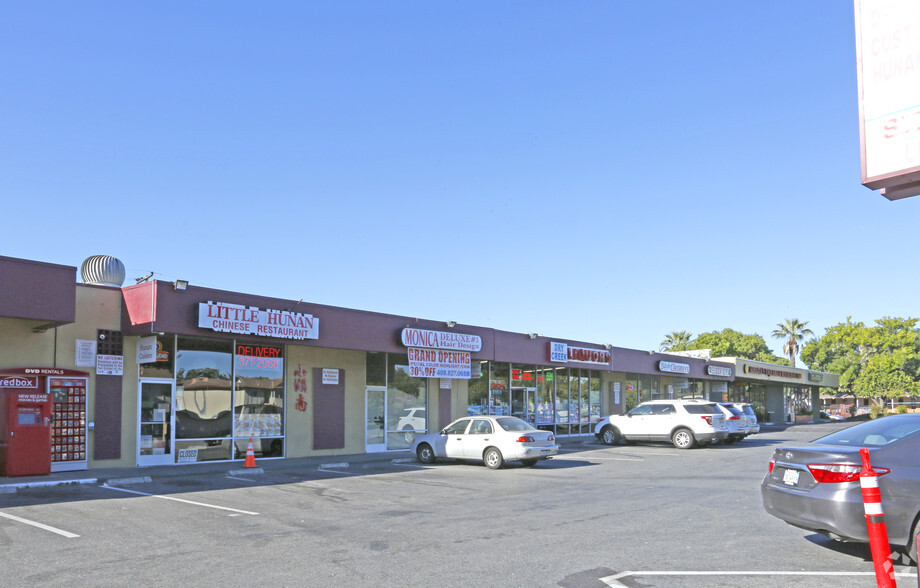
{"x":160,"y":373}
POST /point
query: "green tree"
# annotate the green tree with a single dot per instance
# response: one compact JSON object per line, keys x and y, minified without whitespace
{"x":731,"y":343}
{"x":794,"y":332}
{"x":873,"y":362}
{"x":676,"y":341}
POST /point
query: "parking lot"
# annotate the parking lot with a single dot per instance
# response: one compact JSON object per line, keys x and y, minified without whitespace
{"x":630,"y":515}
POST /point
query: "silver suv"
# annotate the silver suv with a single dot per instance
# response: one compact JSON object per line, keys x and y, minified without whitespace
{"x":685,"y":423}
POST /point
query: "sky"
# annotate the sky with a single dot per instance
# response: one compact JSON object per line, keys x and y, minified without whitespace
{"x":604,"y":171}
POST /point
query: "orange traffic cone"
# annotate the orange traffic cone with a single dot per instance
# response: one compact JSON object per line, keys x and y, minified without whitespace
{"x":250,"y":456}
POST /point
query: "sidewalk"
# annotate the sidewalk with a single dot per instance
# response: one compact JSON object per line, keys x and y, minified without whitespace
{"x":138,"y":475}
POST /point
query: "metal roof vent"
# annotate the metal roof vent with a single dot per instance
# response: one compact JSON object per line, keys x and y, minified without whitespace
{"x":103,"y":270}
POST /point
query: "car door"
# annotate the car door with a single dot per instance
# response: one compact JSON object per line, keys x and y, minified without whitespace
{"x":453,"y":437}
{"x":661,"y":422}
{"x":478,"y":437}
{"x":635,"y":425}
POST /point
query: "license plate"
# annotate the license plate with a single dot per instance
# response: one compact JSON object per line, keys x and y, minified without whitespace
{"x":544,"y":452}
{"x":791,"y":477}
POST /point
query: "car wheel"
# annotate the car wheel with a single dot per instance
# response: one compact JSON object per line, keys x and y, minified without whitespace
{"x":610,"y":435}
{"x":683,"y":439}
{"x":425,"y":454}
{"x":493,"y":458}
{"x":911,"y":549}
{"x":529,"y":462}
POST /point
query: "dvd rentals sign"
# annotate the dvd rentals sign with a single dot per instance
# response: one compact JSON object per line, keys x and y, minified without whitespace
{"x":249,"y":320}
{"x":564,"y":353}
{"x":437,"y":354}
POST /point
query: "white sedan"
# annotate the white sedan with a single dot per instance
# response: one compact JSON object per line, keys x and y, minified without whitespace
{"x":490,"y":439}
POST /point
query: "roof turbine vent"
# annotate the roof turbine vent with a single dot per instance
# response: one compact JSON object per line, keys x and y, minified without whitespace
{"x":103,"y":270}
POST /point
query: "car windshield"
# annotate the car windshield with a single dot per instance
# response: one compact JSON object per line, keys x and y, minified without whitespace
{"x":513,"y":424}
{"x":702,"y":409}
{"x":874,"y":433}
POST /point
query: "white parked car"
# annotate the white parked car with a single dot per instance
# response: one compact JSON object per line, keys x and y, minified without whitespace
{"x":493,"y":440}
{"x":751,"y":415}
{"x":684,"y":422}
{"x":739,"y":426}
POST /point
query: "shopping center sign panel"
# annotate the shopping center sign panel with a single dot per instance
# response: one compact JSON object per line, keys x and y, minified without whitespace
{"x":888,"y":75}
{"x":249,"y":320}
{"x":439,"y":354}
{"x":565,"y":353}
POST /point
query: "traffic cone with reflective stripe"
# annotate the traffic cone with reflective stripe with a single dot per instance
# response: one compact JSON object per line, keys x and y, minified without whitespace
{"x":250,"y":456}
{"x":875,"y":524}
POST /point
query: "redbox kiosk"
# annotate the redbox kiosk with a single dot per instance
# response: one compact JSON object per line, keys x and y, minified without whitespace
{"x":42,"y":420}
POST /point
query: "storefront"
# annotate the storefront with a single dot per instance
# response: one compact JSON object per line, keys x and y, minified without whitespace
{"x":160,"y":373}
{"x":780,"y":393}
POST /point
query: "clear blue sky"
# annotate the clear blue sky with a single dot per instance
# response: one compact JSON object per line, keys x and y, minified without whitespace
{"x":606,"y":171}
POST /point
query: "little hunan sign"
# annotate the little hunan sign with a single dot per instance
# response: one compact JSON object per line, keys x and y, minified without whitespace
{"x":249,"y":320}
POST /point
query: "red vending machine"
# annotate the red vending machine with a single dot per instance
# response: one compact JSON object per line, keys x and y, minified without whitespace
{"x":25,"y":426}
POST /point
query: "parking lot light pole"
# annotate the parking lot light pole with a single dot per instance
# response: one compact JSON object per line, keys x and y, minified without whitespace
{"x":875,"y":523}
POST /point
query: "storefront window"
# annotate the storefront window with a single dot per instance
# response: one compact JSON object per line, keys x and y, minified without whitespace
{"x":204,"y":408}
{"x":259,"y":398}
{"x":545,"y":413}
{"x":407,"y":402}
{"x":523,"y":392}
{"x":564,"y":412}
{"x":166,"y":355}
{"x":595,"y":399}
{"x":498,"y":384}
{"x":478,"y":390}
{"x":376,"y":364}
{"x":631,"y":395}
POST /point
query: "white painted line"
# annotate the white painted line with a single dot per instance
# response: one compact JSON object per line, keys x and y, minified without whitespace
{"x":593,"y":457}
{"x":179,"y":500}
{"x":39,"y":525}
{"x":614,"y":580}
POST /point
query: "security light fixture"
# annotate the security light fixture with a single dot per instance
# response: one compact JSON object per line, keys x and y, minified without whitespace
{"x":451,"y":324}
{"x":533,"y":335}
{"x":181,"y":284}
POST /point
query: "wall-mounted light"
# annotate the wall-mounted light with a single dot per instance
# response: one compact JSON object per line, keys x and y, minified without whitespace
{"x":180,"y":284}
{"x":533,"y":335}
{"x":451,"y":324}
{"x":607,"y":346}
{"x":652,"y":352}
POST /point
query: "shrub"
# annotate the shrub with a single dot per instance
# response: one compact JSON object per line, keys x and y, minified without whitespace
{"x":877,"y":411}
{"x":901,"y":409}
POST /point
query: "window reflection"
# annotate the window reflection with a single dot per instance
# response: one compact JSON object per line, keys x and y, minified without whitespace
{"x":203,"y":388}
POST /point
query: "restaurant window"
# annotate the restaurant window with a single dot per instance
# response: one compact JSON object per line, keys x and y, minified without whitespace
{"x":478,"y":391}
{"x":258,"y":410}
{"x":166,"y":355}
{"x":523,"y":392}
{"x":204,"y":397}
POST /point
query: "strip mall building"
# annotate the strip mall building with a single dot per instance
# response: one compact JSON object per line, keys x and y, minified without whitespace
{"x":161,"y":373}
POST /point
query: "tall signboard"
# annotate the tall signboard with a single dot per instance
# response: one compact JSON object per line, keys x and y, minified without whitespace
{"x":888,"y":76}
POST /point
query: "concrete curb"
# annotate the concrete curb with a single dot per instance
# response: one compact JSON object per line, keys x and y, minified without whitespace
{"x":129,"y":481}
{"x":246,"y":471}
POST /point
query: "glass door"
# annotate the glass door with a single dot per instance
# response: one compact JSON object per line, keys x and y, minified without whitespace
{"x":375,"y":414}
{"x":155,"y":422}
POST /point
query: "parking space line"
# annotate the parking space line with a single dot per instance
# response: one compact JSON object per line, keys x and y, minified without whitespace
{"x":593,"y":457}
{"x":614,"y":580}
{"x":179,"y":500}
{"x":39,"y":525}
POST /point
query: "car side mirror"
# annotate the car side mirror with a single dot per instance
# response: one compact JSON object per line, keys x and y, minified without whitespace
{"x":443,"y":431}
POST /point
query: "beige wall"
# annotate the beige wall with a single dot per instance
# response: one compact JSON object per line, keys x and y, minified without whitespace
{"x":299,"y":431}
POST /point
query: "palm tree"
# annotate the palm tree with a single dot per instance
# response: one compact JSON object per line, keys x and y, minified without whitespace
{"x":793,"y":331}
{"x":676,"y":341}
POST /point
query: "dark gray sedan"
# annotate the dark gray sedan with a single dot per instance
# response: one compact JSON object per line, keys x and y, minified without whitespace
{"x":815,"y":486}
